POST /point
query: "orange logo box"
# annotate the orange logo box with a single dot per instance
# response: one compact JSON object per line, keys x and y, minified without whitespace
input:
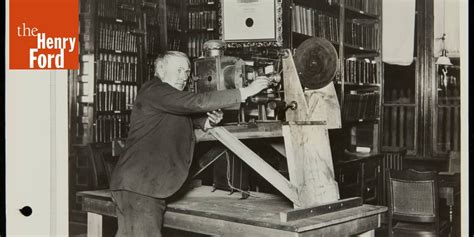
{"x":44,"y":34}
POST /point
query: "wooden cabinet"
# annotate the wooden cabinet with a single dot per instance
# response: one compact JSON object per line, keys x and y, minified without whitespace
{"x":359,"y":176}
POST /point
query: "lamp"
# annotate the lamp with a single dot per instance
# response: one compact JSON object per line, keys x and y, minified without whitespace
{"x":443,"y":59}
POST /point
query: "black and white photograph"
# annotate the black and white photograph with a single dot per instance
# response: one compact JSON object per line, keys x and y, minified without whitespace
{"x":260,"y":118}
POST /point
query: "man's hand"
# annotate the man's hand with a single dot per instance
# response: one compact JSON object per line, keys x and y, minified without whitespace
{"x":213,"y":118}
{"x":256,"y":86}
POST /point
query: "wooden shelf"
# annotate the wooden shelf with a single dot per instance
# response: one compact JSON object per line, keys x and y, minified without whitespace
{"x":320,"y":6}
{"x":117,"y":21}
{"x":112,"y":112}
{"x":333,"y":9}
{"x":358,"y":84}
{"x":362,"y":55}
{"x":365,"y":120}
{"x":354,"y":50}
{"x":110,"y":51}
{"x":116,"y":82}
{"x":203,"y":5}
{"x":208,"y":30}
{"x":352,"y":12}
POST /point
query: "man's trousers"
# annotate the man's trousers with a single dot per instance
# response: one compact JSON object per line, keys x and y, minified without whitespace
{"x":138,"y":215}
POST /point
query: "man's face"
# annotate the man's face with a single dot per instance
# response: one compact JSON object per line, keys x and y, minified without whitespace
{"x":176,"y":72}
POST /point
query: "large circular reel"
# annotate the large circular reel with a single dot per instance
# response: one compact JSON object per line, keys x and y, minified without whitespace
{"x":316,"y":62}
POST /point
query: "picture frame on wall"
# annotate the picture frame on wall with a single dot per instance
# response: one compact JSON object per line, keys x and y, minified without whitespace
{"x":251,"y":23}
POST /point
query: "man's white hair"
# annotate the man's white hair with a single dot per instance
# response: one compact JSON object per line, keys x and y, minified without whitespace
{"x":162,"y":59}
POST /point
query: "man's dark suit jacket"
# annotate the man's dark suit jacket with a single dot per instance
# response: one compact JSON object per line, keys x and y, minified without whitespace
{"x":160,"y":143}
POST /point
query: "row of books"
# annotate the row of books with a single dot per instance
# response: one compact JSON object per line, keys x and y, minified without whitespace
{"x":361,"y":105}
{"x":113,"y":67}
{"x":174,"y":43}
{"x":109,"y":127}
{"x":360,"y":70}
{"x":115,"y":97}
{"x":173,"y":17}
{"x":363,"y":35}
{"x":313,"y":22}
{"x":367,"y":6}
{"x":325,"y":26}
{"x":200,"y":2}
{"x":114,"y":9}
{"x":153,"y":42}
{"x":117,"y":37}
{"x":195,"y":43}
{"x":151,"y":67}
{"x":202,"y":20}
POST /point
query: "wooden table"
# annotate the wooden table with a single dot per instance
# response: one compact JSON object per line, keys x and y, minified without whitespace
{"x":218,"y":213}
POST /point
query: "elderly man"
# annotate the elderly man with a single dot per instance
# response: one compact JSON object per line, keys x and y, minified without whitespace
{"x":159,"y":148}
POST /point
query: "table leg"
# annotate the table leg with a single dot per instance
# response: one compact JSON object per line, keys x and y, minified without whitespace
{"x":94,"y":225}
{"x":370,"y":233}
{"x":450,"y":220}
{"x":451,"y":214}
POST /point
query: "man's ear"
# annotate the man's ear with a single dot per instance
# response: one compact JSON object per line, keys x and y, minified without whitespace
{"x":159,"y":70}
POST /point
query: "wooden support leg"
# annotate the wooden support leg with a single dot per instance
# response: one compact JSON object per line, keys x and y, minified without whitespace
{"x":310,"y":164}
{"x":306,"y":144}
{"x":94,"y":225}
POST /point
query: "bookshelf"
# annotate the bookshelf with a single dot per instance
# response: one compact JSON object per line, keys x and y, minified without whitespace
{"x":354,"y":28}
{"x":175,"y":25}
{"x":202,"y":25}
{"x":153,"y":27}
{"x":116,"y":71}
{"x":119,"y":41}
